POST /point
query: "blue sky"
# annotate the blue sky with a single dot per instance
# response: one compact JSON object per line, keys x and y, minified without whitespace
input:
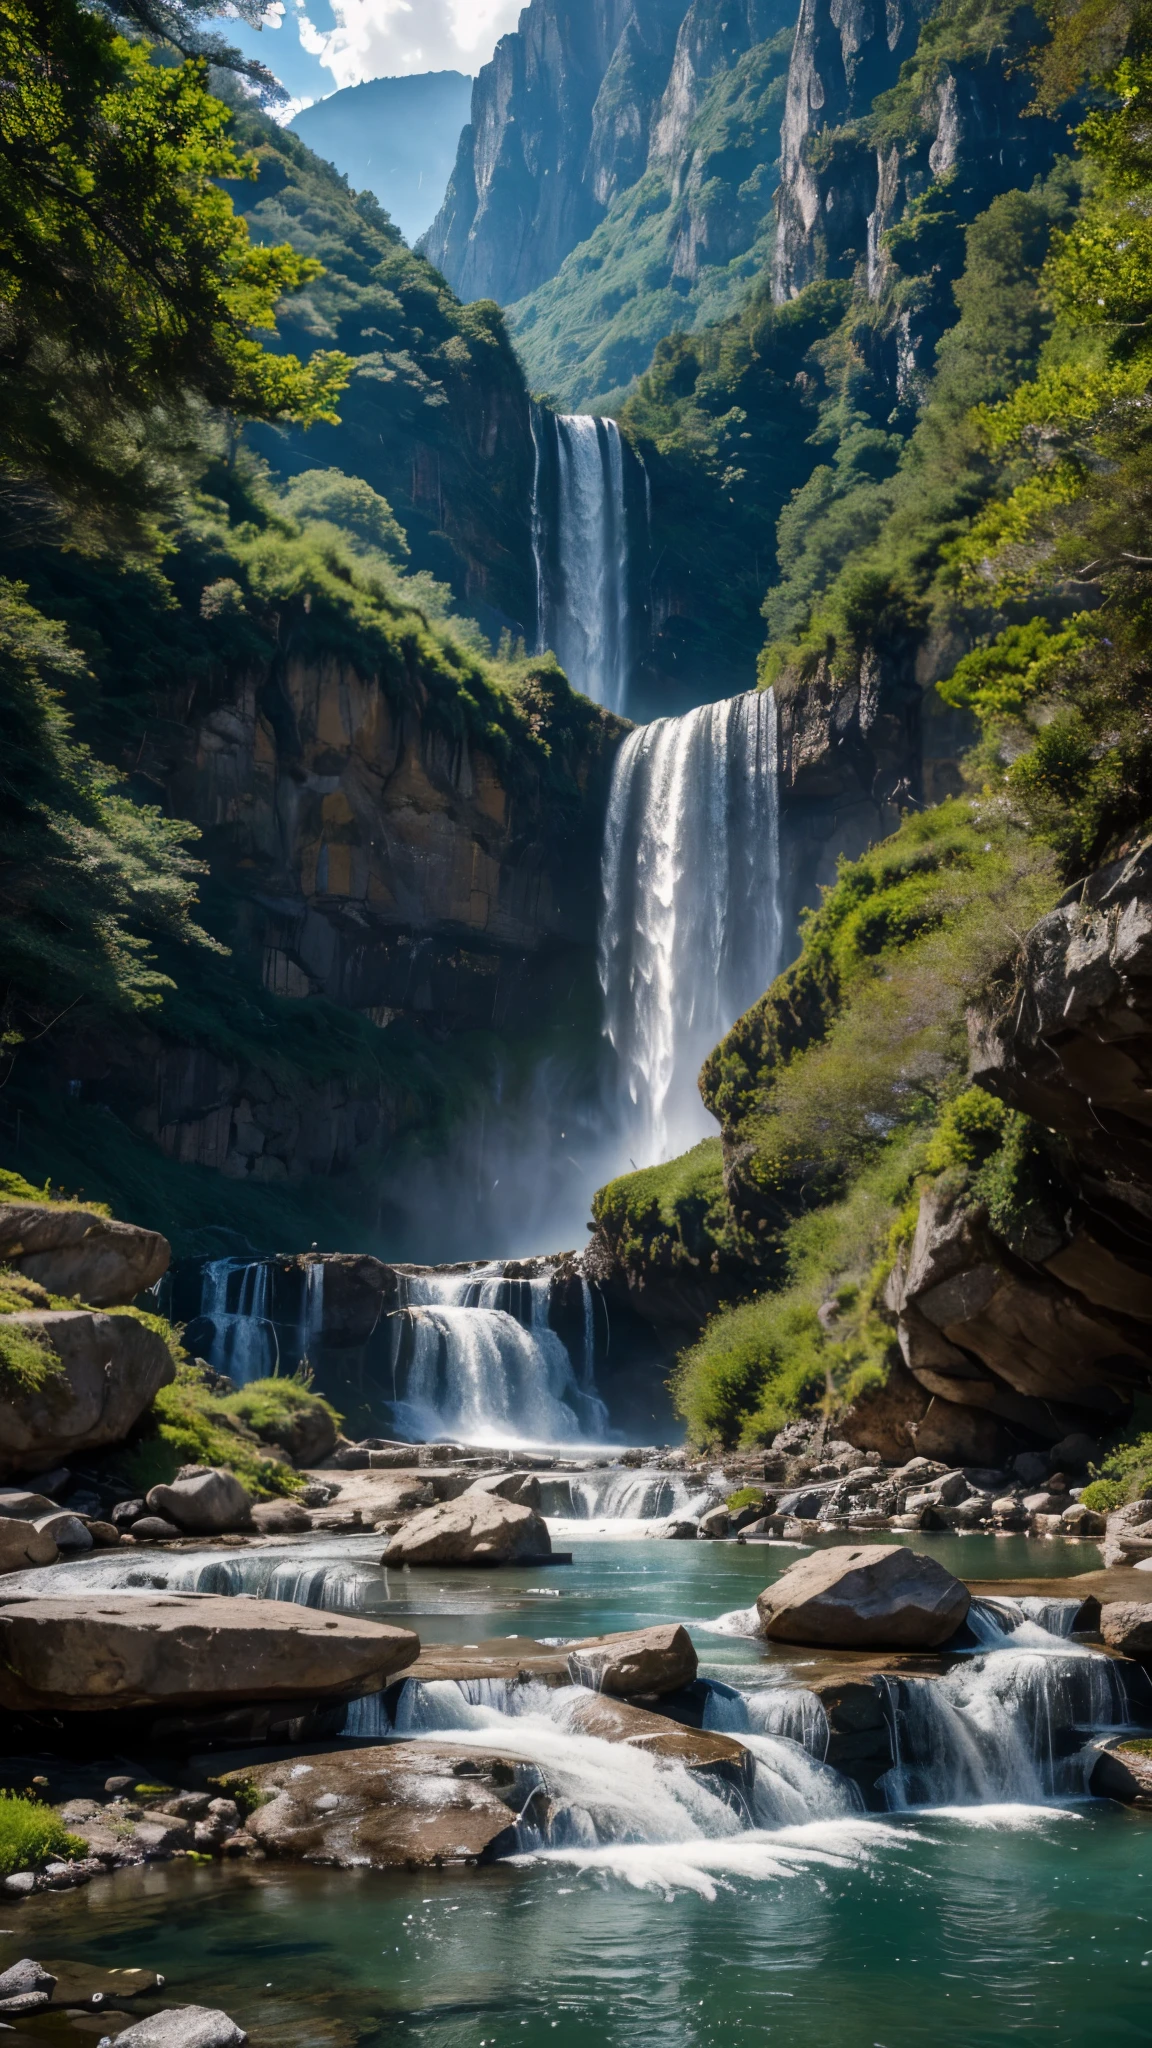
{"x":320,"y":45}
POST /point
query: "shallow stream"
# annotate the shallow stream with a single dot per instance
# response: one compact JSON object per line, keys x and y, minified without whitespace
{"x":993,"y":1902}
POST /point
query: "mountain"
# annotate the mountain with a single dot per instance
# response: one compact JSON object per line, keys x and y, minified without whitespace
{"x":685,"y":244}
{"x":560,"y":125}
{"x":393,"y":137}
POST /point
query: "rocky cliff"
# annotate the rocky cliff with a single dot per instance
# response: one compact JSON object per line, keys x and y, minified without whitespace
{"x":560,"y":123}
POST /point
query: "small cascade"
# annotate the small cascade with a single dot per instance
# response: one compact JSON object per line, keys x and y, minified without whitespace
{"x":690,"y":926}
{"x":311,"y":1324}
{"x":1009,"y":1727}
{"x":236,"y":1298}
{"x":790,"y":1711}
{"x":476,"y":1360}
{"x":621,"y":1496}
{"x":581,"y":555}
{"x":323,"y":1578}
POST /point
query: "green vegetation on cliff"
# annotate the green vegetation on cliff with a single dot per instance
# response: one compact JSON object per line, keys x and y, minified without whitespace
{"x":677,"y":251}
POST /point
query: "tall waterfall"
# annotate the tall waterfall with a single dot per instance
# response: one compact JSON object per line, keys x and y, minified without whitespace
{"x":476,"y":1360}
{"x":690,"y":926}
{"x":582,"y":564}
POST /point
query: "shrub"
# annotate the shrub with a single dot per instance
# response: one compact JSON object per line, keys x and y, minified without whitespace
{"x":1103,"y":1495}
{"x":745,"y":1497}
{"x":30,"y":1833}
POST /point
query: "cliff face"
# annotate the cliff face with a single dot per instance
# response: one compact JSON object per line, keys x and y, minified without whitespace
{"x":560,"y":124}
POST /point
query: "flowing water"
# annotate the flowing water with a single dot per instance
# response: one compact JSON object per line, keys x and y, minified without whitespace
{"x":236,"y":1298}
{"x":690,"y":927}
{"x":475,"y":1360}
{"x":582,"y":568}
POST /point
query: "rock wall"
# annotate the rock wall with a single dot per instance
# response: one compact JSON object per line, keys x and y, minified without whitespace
{"x":370,"y":859}
{"x":560,"y":121}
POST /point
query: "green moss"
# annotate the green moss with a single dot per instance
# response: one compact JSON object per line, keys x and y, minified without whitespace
{"x":189,"y":1425}
{"x":27,"y":1360}
{"x":31,"y":1833}
{"x":672,"y":1216}
{"x":270,"y":1407}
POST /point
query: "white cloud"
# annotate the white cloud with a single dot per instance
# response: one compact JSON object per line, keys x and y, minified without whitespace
{"x":383,"y":38}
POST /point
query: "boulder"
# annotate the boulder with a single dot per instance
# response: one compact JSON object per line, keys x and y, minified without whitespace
{"x":477,"y":1528}
{"x":74,"y":1251}
{"x":111,"y":1369}
{"x":1123,"y":1771}
{"x":1044,"y":1503}
{"x":876,"y":1597}
{"x":280,"y":1518}
{"x":66,"y":1530}
{"x":1125,"y":1534}
{"x":23,"y":1544}
{"x":402,"y":1805}
{"x":154,"y":1529}
{"x":105,"y":1650}
{"x":682,"y":1530}
{"x":716,"y":1523}
{"x":522,"y":1487}
{"x":1126,"y":1625}
{"x":25,"y":1506}
{"x":184,"y":2026}
{"x":203,"y":1501}
{"x":660,"y":1659}
{"x":25,"y":1988}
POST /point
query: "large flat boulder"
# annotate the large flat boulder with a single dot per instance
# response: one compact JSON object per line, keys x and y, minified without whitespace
{"x":404,"y":1804}
{"x":74,"y":1251}
{"x":879,"y":1596}
{"x":113,"y":1650}
{"x":477,"y":1528}
{"x":650,"y":1660}
{"x":111,"y":1369}
{"x":185,"y":2026}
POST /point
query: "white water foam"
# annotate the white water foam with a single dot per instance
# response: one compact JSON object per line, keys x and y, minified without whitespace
{"x":583,"y":609}
{"x":690,"y":928}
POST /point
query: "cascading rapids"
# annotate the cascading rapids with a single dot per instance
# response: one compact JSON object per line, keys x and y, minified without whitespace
{"x":690,"y":925}
{"x":476,"y":1360}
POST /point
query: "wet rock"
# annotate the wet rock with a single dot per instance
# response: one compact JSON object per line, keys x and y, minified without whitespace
{"x":73,"y":1251}
{"x":280,"y":1518}
{"x":1123,"y":1771}
{"x":203,"y":1501}
{"x":652,"y":1660}
{"x":182,"y":2026}
{"x":871,"y":1598}
{"x":111,"y":1369}
{"x":403,"y":1805}
{"x":23,"y":1544}
{"x":859,"y":1735}
{"x":82,"y":1655}
{"x":717,"y":1522}
{"x":476,"y":1528}
{"x":698,"y":1749}
{"x":27,"y":1987}
{"x":682,"y":1531}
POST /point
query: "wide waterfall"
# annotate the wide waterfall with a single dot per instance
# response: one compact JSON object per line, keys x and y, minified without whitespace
{"x":582,"y":571}
{"x":475,"y":1360}
{"x":690,"y":927}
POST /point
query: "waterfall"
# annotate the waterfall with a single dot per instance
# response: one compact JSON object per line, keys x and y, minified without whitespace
{"x":236,"y":1298}
{"x":476,"y":1360}
{"x":311,"y":1324}
{"x":582,"y":577}
{"x":615,"y":1495}
{"x":1006,"y":1727}
{"x":690,"y":927}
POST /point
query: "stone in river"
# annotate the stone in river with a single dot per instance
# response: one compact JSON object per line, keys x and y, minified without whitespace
{"x":874,"y":1597}
{"x":182,"y":2026}
{"x":21,"y":1544}
{"x":280,"y":1518}
{"x":203,"y":1501}
{"x":154,"y":1529}
{"x":400,"y":1805}
{"x":104,"y":1650}
{"x":27,"y":1987}
{"x":659,"y":1660}
{"x":64,"y":1529}
{"x":476,"y":1528}
{"x":1126,"y":1625}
